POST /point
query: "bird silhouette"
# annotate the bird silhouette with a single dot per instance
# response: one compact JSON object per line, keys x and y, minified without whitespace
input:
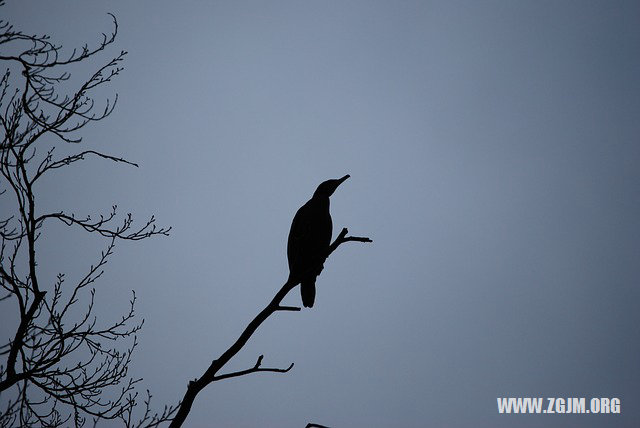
{"x":309,"y":240}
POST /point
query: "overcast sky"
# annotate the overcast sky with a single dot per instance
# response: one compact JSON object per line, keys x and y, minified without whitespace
{"x":494,"y":151}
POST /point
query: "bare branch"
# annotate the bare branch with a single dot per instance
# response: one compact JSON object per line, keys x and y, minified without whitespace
{"x":254,"y":369}
{"x":99,"y":226}
{"x":342,"y":238}
{"x":210,"y":375}
{"x":48,"y":164}
{"x":288,"y":308}
{"x":148,"y":419}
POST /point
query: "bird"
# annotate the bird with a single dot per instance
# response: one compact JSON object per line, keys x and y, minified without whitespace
{"x":309,"y":240}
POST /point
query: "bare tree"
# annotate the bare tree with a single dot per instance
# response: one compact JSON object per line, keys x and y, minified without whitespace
{"x":62,"y":366}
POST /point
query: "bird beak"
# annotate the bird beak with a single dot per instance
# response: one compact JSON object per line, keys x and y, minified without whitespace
{"x":341,"y":180}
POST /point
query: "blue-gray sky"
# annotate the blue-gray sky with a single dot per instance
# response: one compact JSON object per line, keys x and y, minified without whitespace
{"x":493,"y":148}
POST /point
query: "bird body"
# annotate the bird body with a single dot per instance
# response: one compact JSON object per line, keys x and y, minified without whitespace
{"x":309,"y":240}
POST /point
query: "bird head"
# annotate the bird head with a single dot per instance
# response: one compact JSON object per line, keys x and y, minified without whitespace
{"x":327,"y":188}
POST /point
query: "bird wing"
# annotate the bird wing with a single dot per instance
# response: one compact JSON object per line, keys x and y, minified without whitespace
{"x":309,"y":238}
{"x":298,"y":237}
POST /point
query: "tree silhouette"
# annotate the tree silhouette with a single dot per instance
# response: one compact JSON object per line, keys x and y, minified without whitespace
{"x":62,"y":366}
{"x":61,"y":363}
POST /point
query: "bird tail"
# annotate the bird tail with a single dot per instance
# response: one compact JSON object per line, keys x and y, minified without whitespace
{"x":308,"y":292}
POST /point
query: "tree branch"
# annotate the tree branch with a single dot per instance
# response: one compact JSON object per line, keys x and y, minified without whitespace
{"x":48,"y":164}
{"x":254,"y":369}
{"x":288,"y":308}
{"x":210,"y":375}
{"x":98,"y":226}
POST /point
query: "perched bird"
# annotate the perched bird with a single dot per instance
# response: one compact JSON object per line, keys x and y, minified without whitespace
{"x":309,"y":240}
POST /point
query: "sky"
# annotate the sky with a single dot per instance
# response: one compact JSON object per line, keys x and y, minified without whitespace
{"x":493,"y":149}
